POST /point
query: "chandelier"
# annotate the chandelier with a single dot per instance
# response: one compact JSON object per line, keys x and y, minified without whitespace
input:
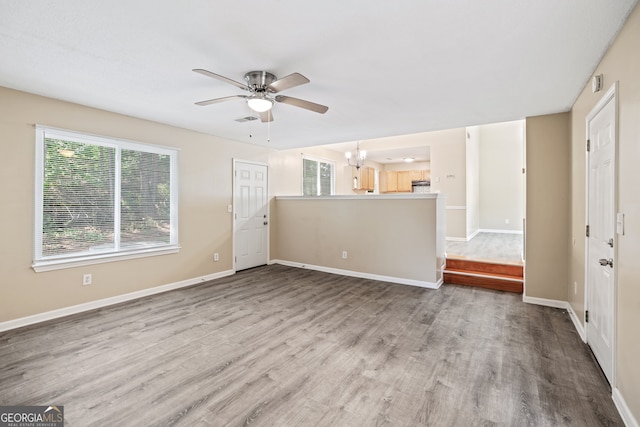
{"x":356,"y":159}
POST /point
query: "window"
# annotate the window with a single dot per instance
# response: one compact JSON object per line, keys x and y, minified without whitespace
{"x":317,"y":177}
{"x":98,"y":199}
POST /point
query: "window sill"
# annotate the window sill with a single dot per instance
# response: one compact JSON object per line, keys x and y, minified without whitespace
{"x":59,"y":264}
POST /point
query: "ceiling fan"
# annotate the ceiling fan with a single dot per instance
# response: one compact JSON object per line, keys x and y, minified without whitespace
{"x":261,"y":85}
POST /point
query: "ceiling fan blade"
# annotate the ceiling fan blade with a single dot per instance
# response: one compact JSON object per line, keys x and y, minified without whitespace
{"x":287,"y":82}
{"x":216,"y":100}
{"x":266,"y":116}
{"x":221,"y":78}
{"x":308,"y":105}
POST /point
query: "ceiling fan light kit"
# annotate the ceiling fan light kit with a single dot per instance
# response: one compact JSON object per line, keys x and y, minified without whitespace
{"x":261,"y":84}
{"x":259,"y":104}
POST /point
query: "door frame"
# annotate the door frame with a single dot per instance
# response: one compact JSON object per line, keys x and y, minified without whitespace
{"x":611,"y":95}
{"x":233,"y":213}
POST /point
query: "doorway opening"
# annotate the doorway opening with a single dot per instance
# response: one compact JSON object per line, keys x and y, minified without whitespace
{"x":485,"y":235}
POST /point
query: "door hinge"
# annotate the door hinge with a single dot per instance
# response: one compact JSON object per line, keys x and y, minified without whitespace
{"x":588,"y":145}
{"x":586,"y":316}
{"x":587,"y":231}
{"x":522,"y":170}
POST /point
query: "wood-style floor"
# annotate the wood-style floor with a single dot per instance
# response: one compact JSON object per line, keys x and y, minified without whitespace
{"x":279,"y":346}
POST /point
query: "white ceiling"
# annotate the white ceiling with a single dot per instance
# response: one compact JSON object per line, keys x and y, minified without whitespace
{"x":384,"y":68}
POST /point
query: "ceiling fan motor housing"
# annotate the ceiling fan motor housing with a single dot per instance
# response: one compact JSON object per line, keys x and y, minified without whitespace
{"x":259,"y":80}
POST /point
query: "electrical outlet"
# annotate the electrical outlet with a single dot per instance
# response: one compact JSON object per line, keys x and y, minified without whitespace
{"x":86,"y":279}
{"x":216,"y":257}
{"x":344,"y":254}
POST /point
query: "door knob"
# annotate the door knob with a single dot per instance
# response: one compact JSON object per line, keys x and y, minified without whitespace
{"x":608,"y":262}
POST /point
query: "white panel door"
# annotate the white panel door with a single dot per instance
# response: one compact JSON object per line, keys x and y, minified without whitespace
{"x":250,"y":215}
{"x":601,"y":240}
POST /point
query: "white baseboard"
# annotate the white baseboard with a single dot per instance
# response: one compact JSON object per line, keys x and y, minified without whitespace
{"x":472,"y":235}
{"x":463,"y":239}
{"x":92,"y":305}
{"x":560,"y":304}
{"x":399,"y":280}
{"x":546,"y":302}
{"x":623,"y":409}
{"x":488,"y":230}
{"x":576,"y":323}
{"x":456,"y":239}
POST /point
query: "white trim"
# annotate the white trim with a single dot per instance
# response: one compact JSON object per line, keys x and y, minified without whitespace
{"x":472,"y":235}
{"x":576,"y":323}
{"x":610,"y":95}
{"x":92,"y":305}
{"x":463,"y":239}
{"x":350,"y":273}
{"x":59,"y":264}
{"x":456,"y":208}
{"x":233,"y":208}
{"x":623,"y":409}
{"x":545,"y":302}
{"x":88,"y":257}
{"x":489,"y":230}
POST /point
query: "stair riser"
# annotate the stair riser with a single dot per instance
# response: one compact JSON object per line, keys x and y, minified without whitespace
{"x":483,"y":282}
{"x":477,"y":266}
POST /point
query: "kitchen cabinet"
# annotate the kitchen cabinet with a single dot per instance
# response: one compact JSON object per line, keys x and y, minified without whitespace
{"x":417,"y":175}
{"x":404,"y":181}
{"x":388,"y":182}
{"x":365,"y":177}
{"x":400,"y":181}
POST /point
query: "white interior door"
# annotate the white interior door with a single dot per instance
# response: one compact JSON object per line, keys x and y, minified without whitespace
{"x":250,"y":200}
{"x":600,"y":270}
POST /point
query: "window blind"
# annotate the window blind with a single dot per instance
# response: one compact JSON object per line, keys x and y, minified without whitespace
{"x":97,"y":195}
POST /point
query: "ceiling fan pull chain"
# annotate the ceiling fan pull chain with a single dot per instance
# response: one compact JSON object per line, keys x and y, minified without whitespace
{"x":269,"y":130}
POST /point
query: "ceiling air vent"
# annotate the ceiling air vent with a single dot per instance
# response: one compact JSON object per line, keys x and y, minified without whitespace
{"x":246,"y":119}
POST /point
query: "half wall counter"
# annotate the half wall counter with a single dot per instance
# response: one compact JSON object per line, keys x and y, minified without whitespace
{"x":395,"y":238}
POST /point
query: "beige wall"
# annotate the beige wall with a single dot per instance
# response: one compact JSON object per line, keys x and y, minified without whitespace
{"x":548,"y":206}
{"x":393,"y":236}
{"x":205,"y":227}
{"x":449,"y":176}
{"x":501,"y":179}
{"x":621,"y":63}
{"x":286,"y":170}
{"x":404,"y":166}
